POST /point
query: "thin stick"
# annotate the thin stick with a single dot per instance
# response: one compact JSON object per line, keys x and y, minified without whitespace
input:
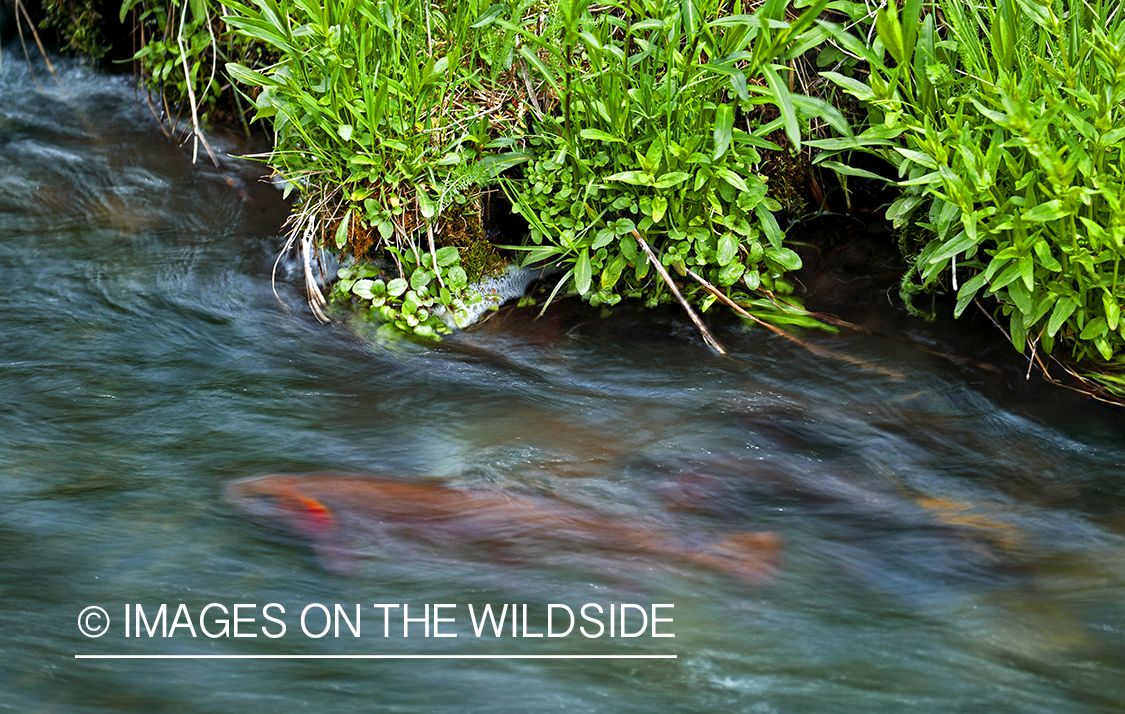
{"x":433,"y":253}
{"x":711,"y":341}
{"x":530,"y":88}
{"x":196,"y":130}
{"x":1090,"y":390}
{"x":782,"y":333}
{"x":38,"y":42}
{"x":19,"y":28}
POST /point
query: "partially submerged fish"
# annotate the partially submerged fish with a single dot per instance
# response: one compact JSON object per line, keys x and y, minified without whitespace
{"x":348,"y":515}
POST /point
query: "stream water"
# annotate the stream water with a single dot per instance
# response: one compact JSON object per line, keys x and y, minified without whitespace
{"x":953,"y":537}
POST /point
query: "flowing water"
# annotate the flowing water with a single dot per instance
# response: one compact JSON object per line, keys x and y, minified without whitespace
{"x":953,"y":538}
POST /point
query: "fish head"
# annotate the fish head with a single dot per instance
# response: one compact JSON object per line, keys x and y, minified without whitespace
{"x":284,"y":502}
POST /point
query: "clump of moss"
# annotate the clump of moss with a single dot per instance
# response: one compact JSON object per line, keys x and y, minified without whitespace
{"x":463,"y":229}
{"x":78,"y":24}
{"x":787,"y":172}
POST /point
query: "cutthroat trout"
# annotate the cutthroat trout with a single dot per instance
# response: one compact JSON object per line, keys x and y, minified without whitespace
{"x":348,"y":515}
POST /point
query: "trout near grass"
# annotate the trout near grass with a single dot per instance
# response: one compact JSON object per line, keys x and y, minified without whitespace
{"x":347,"y":515}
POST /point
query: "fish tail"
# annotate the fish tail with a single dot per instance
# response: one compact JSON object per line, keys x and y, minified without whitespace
{"x":751,"y":557}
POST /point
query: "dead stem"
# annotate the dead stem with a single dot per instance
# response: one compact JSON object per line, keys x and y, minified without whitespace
{"x":707,"y":337}
{"x":820,"y":351}
{"x":1088,"y":388}
{"x":433,"y":252}
{"x":38,"y":43}
{"x":197,"y":131}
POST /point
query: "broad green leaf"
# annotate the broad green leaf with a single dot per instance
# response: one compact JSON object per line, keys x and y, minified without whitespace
{"x":727,"y":249}
{"x":1017,"y":331}
{"x":612,"y":272}
{"x":954,"y":246}
{"x":582,"y":273}
{"x":689,"y":17}
{"x":784,"y":257}
{"x":784,"y":103}
{"x":426,"y":205}
{"x":599,"y":135}
{"x":397,"y":287}
{"x":420,"y":279}
{"x":456,"y":278}
{"x":1049,"y":211}
{"x":1020,"y":298}
{"x":732,"y":178}
{"x":730,"y":274}
{"x":918,"y":157}
{"x":901,"y":208}
{"x":1043,"y":250}
{"x":769,"y":225}
{"x":342,"y":230}
{"x":603,"y":238}
{"x":1064,"y":308}
{"x":1103,"y":348}
{"x":1027,"y":271}
{"x":489,"y":16}
{"x":967,"y":292}
{"x":1006,"y":276}
{"x":1094,"y":328}
{"x":671,"y":179}
{"x":724,"y":125}
{"x":447,"y":256}
{"x":890,"y":31}
{"x":363,"y":288}
{"x":637,"y":178}
{"x":249,"y":76}
{"x":854,"y":87}
{"x":1112,"y":310}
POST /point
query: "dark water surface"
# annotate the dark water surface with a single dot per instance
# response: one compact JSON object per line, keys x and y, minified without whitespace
{"x":954,"y":540}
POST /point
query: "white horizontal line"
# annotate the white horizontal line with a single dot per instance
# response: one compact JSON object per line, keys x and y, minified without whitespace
{"x":372,"y":656}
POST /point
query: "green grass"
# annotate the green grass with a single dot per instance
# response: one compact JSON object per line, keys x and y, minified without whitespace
{"x":650,"y":142}
{"x":636,"y":134}
{"x":1006,"y":122}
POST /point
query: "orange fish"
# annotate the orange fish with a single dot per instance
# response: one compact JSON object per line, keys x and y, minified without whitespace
{"x":346,"y":515}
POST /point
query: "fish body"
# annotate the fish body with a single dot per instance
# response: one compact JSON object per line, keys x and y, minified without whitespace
{"x":346,"y":515}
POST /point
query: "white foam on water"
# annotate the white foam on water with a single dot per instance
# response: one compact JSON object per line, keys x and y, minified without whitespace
{"x":494,"y":292}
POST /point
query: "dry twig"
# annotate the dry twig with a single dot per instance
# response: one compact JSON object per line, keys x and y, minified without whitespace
{"x":820,"y":351}
{"x":707,"y":337}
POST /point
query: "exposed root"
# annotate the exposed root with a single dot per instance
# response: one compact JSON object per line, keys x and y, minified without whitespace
{"x":273,"y":274}
{"x":317,"y":301}
{"x":305,"y":223}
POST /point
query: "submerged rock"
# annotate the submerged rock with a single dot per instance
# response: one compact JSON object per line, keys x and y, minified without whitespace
{"x":510,"y":284}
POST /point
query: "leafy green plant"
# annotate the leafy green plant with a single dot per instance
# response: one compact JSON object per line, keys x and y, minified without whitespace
{"x":183,"y":46}
{"x":408,"y":303}
{"x":633,"y":138}
{"x":1008,"y":132}
{"x":387,"y":135}
{"x":646,"y":146}
{"x":78,"y":24}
